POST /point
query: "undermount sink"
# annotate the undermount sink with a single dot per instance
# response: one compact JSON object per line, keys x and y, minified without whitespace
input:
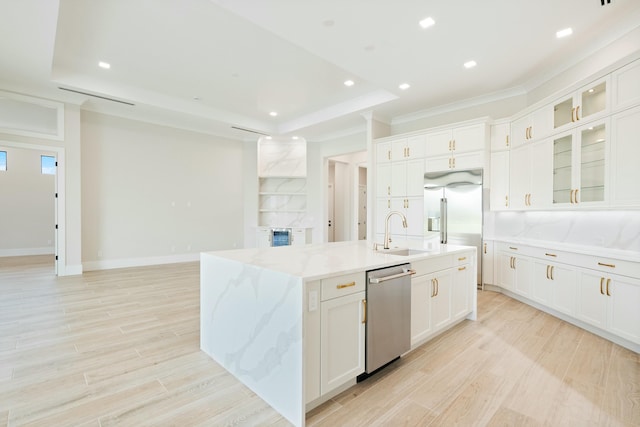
{"x":406,"y":252}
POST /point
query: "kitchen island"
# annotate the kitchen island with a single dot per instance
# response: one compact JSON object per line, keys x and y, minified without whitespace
{"x":266,"y":314}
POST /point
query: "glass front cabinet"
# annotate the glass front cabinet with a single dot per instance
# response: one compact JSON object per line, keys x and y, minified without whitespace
{"x":588,"y":103}
{"x":580,"y":165}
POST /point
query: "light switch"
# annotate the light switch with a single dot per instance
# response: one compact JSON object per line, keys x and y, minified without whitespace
{"x":313,"y":300}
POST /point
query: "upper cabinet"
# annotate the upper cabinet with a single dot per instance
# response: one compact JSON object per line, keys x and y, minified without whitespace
{"x":531,"y":127}
{"x":500,"y":136}
{"x":626,"y":86}
{"x":587,"y":103}
{"x":456,"y":148}
{"x":625,"y":152}
{"x":530,"y":176}
{"x":579,"y":165}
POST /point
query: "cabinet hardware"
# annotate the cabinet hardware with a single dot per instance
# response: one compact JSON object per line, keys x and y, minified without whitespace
{"x":454,"y":159}
{"x":553,"y":255}
{"x":548,"y":271}
{"x":573,"y":114}
{"x":388,"y":204}
{"x":463,"y":258}
{"x":345,"y":285}
{"x":507,"y":140}
{"x":513,"y":248}
{"x":404,"y":152}
{"x":577,"y":113}
{"x":552,"y":273}
{"x":388,"y":154}
{"x":454,"y":145}
{"x":449,"y":145}
{"x":601,"y":282}
{"x":408,"y":151}
{"x":607,"y":265}
{"x":364,"y":311}
{"x":462,"y":268}
{"x":437,"y":286}
{"x":576,"y":196}
{"x":433,"y":288}
{"x":608,"y":283}
{"x":506,"y":201}
{"x":514,"y":262}
{"x":571,"y":197}
{"x":388,"y":190}
{"x":485,"y":248}
{"x":449,"y":162}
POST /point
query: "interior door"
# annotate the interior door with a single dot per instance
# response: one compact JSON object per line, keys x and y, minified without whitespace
{"x":330,"y":213}
{"x":362,"y":212}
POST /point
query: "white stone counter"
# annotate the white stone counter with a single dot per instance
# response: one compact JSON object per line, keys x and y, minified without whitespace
{"x":252,"y":310}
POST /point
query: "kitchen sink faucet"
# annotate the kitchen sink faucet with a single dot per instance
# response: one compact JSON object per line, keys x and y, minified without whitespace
{"x":387,"y":237}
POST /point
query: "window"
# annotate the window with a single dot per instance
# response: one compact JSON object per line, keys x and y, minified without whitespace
{"x":48,"y":165}
{"x":3,"y":160}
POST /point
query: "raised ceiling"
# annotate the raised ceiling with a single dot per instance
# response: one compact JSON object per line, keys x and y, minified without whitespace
{"x":218,"y":64}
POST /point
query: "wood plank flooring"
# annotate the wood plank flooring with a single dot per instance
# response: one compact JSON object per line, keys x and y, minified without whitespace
{"x":121,"y":348}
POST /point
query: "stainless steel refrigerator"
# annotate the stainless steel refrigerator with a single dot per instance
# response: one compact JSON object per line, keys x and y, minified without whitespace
{"x":453,"y":208}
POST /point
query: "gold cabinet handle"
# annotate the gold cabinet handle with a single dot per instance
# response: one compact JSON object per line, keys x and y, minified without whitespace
{"x":607,"y":265}
{"x":454,"y":145}
{"x":548,"y":271}
{"x":601,"y":282}
{"x":388,"y":204}
{"x":345,"y":285}
{"x":576,"y":195}
{"x":433,"y":288}
{"x":552,"y":272}
{"x":437,"y":287}
{"x":388,"y":154}
{"x":506,"y":201}
{"x":408,"y":151}
{"x":388,"y":190}
{"x":364,"y":311}
{"x":463,"y":258}
{"x":608,"y":283}
{"x":485,"y":248}
{"x":573,"y":114}
{"x":513,"y":248}
{"x":462,"y":268}
{"x":514,"y":262}
{"x":449,"y":145}
{"x":577,"y":113}
{"x":553,"y":255}
{"x":454,"y":159}
{"x":507,"y":140}
{"x":571,"y":197}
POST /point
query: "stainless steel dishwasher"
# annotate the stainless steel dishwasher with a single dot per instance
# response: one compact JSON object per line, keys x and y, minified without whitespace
{"x":388,"y":330}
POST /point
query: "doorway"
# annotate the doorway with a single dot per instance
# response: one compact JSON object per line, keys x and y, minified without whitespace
{"x":346,"y":207}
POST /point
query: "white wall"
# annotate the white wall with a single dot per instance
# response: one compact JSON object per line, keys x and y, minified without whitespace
{"x":27,"y":216}
{"x":153,"y":194}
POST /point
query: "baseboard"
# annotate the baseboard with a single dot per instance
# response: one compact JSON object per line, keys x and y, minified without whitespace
{"x":69,"y":270}
{"x":48,"y":250}
{"x":139,"y":262}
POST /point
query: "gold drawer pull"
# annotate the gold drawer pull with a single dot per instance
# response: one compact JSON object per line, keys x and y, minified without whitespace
{"x":462,"y":259}
{"x":512,"y":248}
{"x":364,"y":311}
{"x":607,"y":265}
{"x":462,"y":268}
{"x":553,"y":255}
{"x":608,"y":283}
{"x":601,"y":282}
{"x":346,"y":285}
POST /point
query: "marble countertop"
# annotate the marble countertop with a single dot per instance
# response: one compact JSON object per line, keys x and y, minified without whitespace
{"x":317,"y":261}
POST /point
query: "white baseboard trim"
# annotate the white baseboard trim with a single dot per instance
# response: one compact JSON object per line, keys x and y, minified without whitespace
{"x":69,"y":270}
{"x":48,"y":250}
{"x":139,"y":262}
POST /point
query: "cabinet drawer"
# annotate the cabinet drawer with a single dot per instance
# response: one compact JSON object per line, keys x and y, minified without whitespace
{"x":463,"y":258}
{"x":431,"y":265}
{"x":338,"y":286}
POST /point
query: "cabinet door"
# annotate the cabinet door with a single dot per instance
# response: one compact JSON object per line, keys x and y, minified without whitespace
{"x":590,"y":170}
{"x":541,"y":290}
{"x":541,"y":123}
{"x":263,"y":237}
{"x":441,"y":299}
{"x":421,"y":288}
{"x":522,"y":267}
{"x":563,"y":160}
{"x":541,"y":175}
{"x":383,"y":152}
{"x":383,"y":207}
{"x":469,"y":138}
{"x":463,"y":283}
{"x":414,"y":212}
{"x":626,"y":86}
{"x":592,"y":301}
{"x":499,"y":181}
{"x":399,"y":150}
{"x":415,"y":178}
{"x":506,"y":273}
{"x":519,"y":177}
{"x":439,"y":143}
{"x":563,"y":284}
{"x":437,"y":164}
{"x":464,"y":161}
{"x":592,"y":100}
{"x":520,"y":131}
{"x":416,"y":146}
{"x":383,"y":180}
{"x":623,"y":294}
{"x":342,"y":330}
{"x":625,"y":152}
{"x":500,"y":135}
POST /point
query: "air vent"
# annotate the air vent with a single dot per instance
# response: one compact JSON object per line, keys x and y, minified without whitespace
{"x":249,"y":130}
{"x":96,"y":96}
{"x":603,"y":2}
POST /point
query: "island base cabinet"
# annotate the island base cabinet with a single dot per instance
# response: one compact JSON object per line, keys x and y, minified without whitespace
{"x":441,"y":290}
{"x":461,"y":292}
{"x":342,"y":333}
{"x":421,"y":289}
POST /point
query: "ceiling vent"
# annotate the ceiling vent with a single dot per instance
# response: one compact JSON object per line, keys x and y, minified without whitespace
{"x":96,"y":96}
{"x":249,"y":130}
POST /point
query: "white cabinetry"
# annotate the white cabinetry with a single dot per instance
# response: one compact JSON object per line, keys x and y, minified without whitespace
{"x":460,"y":291}
{"x":263,"y":237}
{"x":625,"y":152}
{"x":579,"y":165}
{"x":500,"y":136}
{"x":488,"y":260}
{"x":457,"y":148}
{"x":421,"y":290}
{"x":342,"y":330}
{"x":499,"y":181}
{"x":530,"y":176}
{"x":626,"y":86}
{"x":300,"y":236}
{"x":554,"y":285}
{"x":531,"y":127}
{"x":587,"y":103}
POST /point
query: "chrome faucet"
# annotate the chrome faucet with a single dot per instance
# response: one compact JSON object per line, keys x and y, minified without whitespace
{"x":387,"y":238}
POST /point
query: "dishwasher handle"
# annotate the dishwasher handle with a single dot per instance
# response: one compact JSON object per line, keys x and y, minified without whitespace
{"x":393,"y":276}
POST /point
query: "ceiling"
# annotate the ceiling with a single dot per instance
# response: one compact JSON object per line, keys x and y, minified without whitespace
{"x":212,"y":65}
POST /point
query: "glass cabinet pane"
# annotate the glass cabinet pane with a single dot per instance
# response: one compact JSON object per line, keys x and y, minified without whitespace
{"x":563,"y":113}
{"x":562,"y":152}
{"x":592,"y":159}
{"x":594,"y":100}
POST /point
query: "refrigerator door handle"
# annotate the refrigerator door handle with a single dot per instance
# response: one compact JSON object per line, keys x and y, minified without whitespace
{"x":443,"y":220}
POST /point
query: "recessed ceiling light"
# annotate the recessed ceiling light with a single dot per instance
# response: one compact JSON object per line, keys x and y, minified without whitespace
{"x":104,"y":65}
{"x":470,"y":64}
{"x":349,"y":83}
{"x":404,"y":86}
{"x":427,"y":22}
{"x":564,"y":33}
{"x":273,"y":114}
{"x":295,"y":138}
{"x":269,"y":137}
{"x":196,"y":98}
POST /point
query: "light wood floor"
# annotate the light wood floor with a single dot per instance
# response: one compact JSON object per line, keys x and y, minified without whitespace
{"x":121,"y":347}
